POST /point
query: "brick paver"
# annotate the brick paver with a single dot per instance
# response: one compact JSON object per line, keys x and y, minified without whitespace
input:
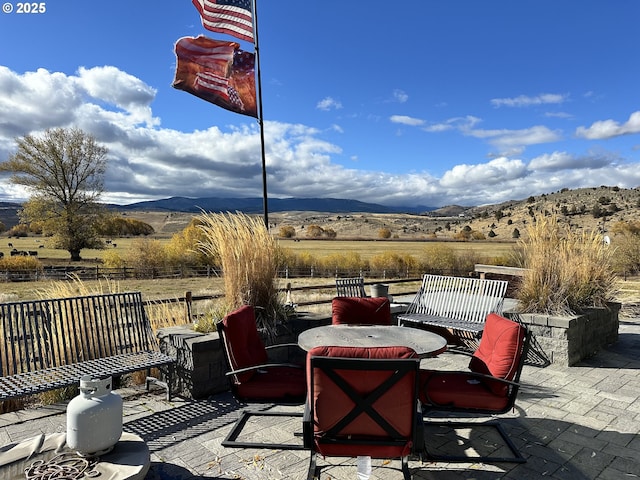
{"x":573,"y":423}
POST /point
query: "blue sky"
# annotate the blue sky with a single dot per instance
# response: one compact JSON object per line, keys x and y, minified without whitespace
{"x":400,"y":103}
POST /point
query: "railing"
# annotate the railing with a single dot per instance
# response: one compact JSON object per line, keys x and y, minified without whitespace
{"x":409,"y":286}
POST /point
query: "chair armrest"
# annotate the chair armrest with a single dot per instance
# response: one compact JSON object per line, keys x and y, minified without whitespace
{"x":281,"y":345}
{"x":262,"y":366}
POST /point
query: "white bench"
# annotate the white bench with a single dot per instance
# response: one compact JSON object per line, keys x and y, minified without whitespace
{"x":350,"y":287}
{"x":457,"y":304}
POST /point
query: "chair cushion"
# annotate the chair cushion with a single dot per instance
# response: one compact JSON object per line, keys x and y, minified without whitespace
{"x":359,"y":310}
{"x":394,"y":406}
{"x":500,"y":350}
{"x":275,"y":383}
{"x":244,"y":346}
{"x":460,"y":390}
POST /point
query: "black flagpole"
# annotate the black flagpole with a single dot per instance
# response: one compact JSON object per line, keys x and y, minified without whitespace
{"x":265,"y":205}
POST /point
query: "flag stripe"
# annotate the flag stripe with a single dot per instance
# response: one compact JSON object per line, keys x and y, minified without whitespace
{"x":222,"y":17}
{"x":212,"y":83}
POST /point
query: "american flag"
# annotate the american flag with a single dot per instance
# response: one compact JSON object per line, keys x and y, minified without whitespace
{"x":218,"y":72}
{"x":233,"y":17}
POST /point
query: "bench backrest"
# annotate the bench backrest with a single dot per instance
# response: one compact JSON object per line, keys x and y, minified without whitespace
{"x":39,"y":334}
{"x":350,"y":287}
{"x":463,"y":298}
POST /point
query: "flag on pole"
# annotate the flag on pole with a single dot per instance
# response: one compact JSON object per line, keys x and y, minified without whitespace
{"x":233,"y":17}
{"x":218,"y":72}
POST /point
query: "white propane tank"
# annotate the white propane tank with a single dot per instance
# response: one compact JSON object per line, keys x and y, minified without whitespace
{"x":94,"y":418}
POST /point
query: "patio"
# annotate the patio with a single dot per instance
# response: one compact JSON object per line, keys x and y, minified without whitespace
{"x":577,"y":422}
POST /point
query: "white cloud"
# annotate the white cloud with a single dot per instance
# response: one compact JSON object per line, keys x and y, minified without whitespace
{"x":496,"y":171}
{"x":506,"y":139}
{"x":605,"y":129}
{"x":527,"y":101}
{"x":406,"y":120}
{"x":329,"y":103}
{"x":550,"y":162}
{"x":400,"y":96}
{"x":147,"y":161}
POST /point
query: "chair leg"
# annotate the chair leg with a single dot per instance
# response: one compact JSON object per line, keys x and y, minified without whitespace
{"x":405,"y":468}
{"x":231,"y":438}
{"x":311,"y":475}
{"x":516,"y":458}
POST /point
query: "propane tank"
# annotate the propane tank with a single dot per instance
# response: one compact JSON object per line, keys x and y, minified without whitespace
{"x":94,"y":418}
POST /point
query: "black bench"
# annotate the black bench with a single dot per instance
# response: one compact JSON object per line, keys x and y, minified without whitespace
{"x":50,"y":344}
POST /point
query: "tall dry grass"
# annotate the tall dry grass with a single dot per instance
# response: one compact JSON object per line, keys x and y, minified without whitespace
{"x":249,"y":256}
{"x":567,"y":271}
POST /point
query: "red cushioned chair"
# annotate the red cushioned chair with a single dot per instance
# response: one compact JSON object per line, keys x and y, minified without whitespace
{"x":253,"y":378}
{"x":360,"y":311}
{"x":362,"y":402}
{"x":489,"y":387}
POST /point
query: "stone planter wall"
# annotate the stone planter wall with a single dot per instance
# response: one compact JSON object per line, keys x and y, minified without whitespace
{"x":569,"y":339}
{"x":200,"y":367}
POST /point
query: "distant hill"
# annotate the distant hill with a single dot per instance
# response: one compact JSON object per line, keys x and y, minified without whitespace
{"x":254,"y":205}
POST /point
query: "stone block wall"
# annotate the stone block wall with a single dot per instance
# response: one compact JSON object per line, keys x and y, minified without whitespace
{"x":569,"y":339}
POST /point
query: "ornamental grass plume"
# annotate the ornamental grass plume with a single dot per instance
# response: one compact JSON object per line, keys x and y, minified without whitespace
{"x":566,"y":271}
{"x":248,"y":255}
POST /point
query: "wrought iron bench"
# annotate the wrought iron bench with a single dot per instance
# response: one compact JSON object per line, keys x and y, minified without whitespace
{"x":458,"y":305}
{"x":50,"y":344}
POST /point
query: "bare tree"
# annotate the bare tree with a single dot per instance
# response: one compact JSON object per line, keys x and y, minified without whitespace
{"x":64,"y":171}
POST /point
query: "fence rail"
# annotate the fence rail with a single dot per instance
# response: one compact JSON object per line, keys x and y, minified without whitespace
{"x":54,"y":273}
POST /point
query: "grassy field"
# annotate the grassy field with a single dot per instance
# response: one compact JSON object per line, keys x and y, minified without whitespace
{"x":176,"y":287}
{"x":371,"y":248}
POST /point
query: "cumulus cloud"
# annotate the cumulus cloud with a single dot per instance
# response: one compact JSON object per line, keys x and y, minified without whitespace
{"x":329,"y":103}
{"x":527,"y":101}
{"x":147,"y":161}
{"x":496,"y":171}
{"x":605,"y":129}
{"x":551,"y":162}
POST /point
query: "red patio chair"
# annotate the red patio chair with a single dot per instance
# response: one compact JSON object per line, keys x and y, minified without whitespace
{"x":360,"y":311}
{"x":253,"y":377}
{"x":489,"y":387}
{"x":362,"y":402}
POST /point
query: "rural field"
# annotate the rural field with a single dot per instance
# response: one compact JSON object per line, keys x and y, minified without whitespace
{"x":356,"y":233}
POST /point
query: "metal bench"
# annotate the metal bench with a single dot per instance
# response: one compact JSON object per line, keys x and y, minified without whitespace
{"x":455,"y":304}
{"x":49,"y":344}
{"x":350,"y":287}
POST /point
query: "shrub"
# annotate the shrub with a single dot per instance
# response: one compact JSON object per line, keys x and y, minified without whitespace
{"x":249,"y":257}
{"x":287,"y":231}
{"x":384,"y":233}
{"x":147,"y":255}
{"x":566,"y":271}
{"x":393,"y":264}
{"x":20,"y":263}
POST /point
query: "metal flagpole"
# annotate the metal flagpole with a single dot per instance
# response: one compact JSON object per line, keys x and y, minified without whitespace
{"x":265,"y":205}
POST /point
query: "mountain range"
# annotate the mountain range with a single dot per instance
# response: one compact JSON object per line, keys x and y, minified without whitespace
{"x":255,"y":205}
{"x":9,"y":217}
